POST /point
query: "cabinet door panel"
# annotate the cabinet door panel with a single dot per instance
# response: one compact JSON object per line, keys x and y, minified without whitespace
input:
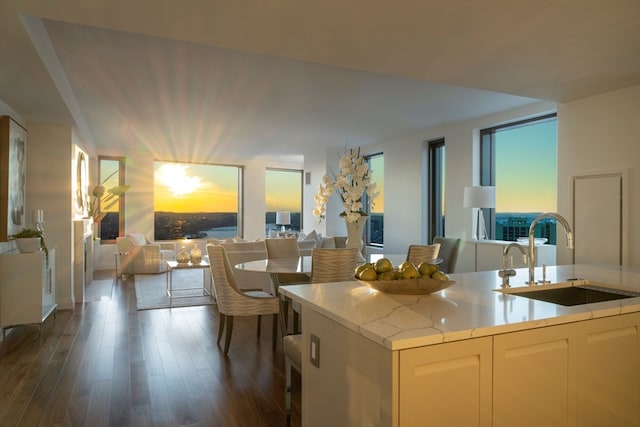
{"x":608,"y":386}
{"x":532,"y":378}
{"x":447,"y":384}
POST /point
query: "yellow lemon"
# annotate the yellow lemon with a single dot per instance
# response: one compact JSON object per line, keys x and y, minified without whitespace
{"x":387,"y":275}
{"x":362,"y":267}
{"x":439,"y":275}
{"x":427,"y":269}
{"x":405,"y":264}
{"x":367,"y":274}
{"x":383,"y":265}
{"x":410,"y":272}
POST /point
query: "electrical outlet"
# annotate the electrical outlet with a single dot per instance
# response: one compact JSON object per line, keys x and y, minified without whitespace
{"x":314,"y":351}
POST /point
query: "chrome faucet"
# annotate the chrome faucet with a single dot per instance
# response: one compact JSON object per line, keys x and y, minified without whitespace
{"x":505,"y":273}
{"x":567,"y":230}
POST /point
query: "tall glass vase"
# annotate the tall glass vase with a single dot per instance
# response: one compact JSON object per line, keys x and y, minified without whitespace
{"x":354,"y":234}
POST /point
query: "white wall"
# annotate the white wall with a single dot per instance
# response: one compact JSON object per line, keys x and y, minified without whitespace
{"x":600,"y":134}
{"x":49,"y":163}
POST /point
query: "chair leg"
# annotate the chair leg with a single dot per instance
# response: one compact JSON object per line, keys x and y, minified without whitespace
{"x":259,"y":324}
{"x":274,"y":333}
{"x":229,"y":331}
{"x":287,"y":390}
{"x":221,"y":327}
{"x":284,"y":306}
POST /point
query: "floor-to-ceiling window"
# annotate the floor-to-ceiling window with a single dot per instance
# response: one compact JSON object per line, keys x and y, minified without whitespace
{"x":374,"y":230}
{"x":283,"y":193}
{"x":194,"y":200}
{"x":111,"y":174}
{"x":436,"y":173}
{"x":520,"y":160}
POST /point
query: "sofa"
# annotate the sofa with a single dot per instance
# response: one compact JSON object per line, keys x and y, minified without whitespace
{"x":138,"y":255}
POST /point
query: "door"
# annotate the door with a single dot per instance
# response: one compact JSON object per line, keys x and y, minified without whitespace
{"x":597,"y":218}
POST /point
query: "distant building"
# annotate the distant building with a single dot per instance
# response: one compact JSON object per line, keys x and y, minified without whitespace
{"x":510,"y":226}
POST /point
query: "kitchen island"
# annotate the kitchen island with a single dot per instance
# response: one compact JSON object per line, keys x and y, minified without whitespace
{"x":470,"y":355}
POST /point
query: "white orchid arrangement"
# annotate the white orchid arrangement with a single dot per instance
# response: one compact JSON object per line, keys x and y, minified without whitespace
{"x":351,"y":182}
{"x":104,"y":199}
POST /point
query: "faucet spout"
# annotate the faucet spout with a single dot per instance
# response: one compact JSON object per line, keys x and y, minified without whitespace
{"x":567,"y":230}
{"x":507,"y":272}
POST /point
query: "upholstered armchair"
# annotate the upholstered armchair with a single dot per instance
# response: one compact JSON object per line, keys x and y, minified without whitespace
{"x":140,"y":256}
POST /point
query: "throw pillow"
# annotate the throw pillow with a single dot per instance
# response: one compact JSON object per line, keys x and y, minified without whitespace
{"x":312,"y":236}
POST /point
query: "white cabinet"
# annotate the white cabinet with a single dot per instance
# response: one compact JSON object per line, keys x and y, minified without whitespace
{"x":27,"y":288}
{"x":584,"y":374}
{"x":486,"y":255}
{"x":447,"y":384}
{"x":358,"y":382}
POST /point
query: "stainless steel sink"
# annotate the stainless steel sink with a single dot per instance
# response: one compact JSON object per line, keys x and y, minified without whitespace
{"x":572,"y":293}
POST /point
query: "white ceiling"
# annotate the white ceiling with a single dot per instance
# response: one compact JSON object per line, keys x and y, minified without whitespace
{"x":266,"y":77}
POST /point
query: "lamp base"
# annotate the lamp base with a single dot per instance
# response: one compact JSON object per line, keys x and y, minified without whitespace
{"x":283,"y":229}
{"x":481,"y":229}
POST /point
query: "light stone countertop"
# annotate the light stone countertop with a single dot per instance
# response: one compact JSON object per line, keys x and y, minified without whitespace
{"x":468,"y":309}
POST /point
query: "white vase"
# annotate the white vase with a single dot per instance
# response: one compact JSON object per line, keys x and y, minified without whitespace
{"x":354,"y":233}
{"x":28,"y":245}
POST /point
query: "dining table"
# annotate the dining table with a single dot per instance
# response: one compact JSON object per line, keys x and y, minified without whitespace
{"x":303,"y":264}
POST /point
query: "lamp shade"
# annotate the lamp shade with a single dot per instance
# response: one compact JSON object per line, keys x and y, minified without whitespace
{"x":480,"y":197}
{"x":283,"y":218}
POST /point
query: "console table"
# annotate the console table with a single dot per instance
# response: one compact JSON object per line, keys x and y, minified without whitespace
{"x":27,"y":288}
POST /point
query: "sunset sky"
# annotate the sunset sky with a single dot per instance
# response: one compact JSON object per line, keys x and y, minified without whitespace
{"x":180,"y":187}
{"x":525,"y":176}
{"x":192,"y":187}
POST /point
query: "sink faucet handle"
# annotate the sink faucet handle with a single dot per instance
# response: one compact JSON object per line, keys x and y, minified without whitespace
{"x":505,"y":274}
{"x":544,"y":274}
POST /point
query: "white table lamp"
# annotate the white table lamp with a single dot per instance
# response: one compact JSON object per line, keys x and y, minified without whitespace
{"x":480,"y":197}
{"x":283,"y":218}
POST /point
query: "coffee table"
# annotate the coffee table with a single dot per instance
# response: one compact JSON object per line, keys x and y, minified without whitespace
{"x":174,"y":293}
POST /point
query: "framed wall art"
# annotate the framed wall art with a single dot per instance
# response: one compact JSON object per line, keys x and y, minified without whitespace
{"x":80,"y":176}
{"x":13,"y":173}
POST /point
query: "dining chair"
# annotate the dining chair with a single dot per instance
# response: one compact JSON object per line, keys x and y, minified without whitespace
{"x":232,"y":301}
{"x":328,"y":265}
{"x":285,"y":248}
{"x":449,"y":248}
{"x":423,"y":253}
{"x":333,"y":265}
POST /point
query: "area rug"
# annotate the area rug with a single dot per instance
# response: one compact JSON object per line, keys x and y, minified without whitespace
{"x":151,"y":290}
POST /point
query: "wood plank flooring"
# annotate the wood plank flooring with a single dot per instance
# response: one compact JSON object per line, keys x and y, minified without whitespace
{"x":107,"y":364}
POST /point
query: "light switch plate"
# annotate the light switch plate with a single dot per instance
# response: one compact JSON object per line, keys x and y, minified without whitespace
{"x":314,"y":351}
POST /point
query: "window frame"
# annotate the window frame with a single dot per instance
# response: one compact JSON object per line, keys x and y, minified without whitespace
{"x":301,"y":172}
{"x":367,"y":210}
{"x":488,"y":160}
{"x":240,"y":189}
{"x":437,"y":199}
{"x":122,"y":162}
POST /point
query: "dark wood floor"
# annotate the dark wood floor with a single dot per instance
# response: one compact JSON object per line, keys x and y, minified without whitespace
{"x":107,"y":364}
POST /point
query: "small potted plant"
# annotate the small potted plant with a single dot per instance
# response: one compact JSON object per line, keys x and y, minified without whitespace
{"x":30,"y":240}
